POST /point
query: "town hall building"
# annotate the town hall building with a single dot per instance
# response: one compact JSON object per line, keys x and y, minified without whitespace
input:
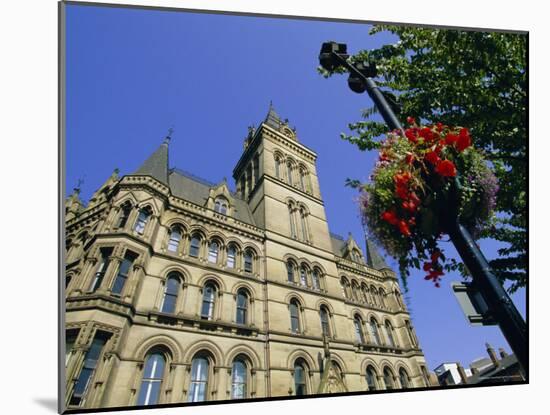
{"x":180,"y":290}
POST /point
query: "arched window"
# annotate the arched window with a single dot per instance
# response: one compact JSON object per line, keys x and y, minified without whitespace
{"x":294,"y":316}
{"x":303,"y":215}
{"x":239,"y":375}
{"x":303,"y":174}
{"x":358,"y":324}
{"x":125,"y":211}
{"x":242,"y":307}
{"x":151,"y":382}
{"x":365,"y":292}
{"x":194,"y":247}
{"x":410,"y":332}
{"x":143,"y":218}
{"x":388,"y":378}
{"x":300,"y":384}
{"x":101,"y":268}
{"x":208,"y":301}
{"x":398,"y":298}
{"x":290,"y":271}
{"x":123,"y":273}
{"x":343,"y":284}
{"x":356,"y":292}
{"x":382,"y":294}
{"x":220,"y":205}
{"x":374,"y":331}
{"x":249,"y":179}
{"x":256,"y":168}
{"x":316,"y":279}
{"x":389,"y":333}
{"x":371,"y":378}
{"x":213,"y":252}
{"x":171,"y":291}
{"x":325,"y":321}
{"x":404,"y":379}
{"x":303,"y":276}
{"x":289,"y":173}
{"x":373,"y":292}
{"x":231,"y":256}
{"x":293,"y":233}
{"x":248,"y":259}
{"x":199,"y":379}
{"x":277,"y":167}
{"x":175,"y":239}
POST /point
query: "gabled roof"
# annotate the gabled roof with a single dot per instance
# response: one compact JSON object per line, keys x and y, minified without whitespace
{"x":197,"y":191}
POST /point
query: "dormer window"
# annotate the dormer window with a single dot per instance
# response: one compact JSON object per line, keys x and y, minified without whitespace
{"x":221,"y":205}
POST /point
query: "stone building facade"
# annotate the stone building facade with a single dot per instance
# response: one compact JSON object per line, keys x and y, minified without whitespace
{"x":179,"y":290}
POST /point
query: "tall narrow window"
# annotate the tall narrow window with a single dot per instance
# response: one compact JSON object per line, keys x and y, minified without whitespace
{"x":374,"y":331}
{"x":365,"y":292}
{"x":290,"y":271}
{"x":292,"y":221}
{"x":213,"y":252}
{"x":304,"y":224}
{"x":194,"y":246}
{"x":410,"y":332}
{"x":371,"y":379}
{"x":382,"y":294}
{"x":170,"y":294}
{"x":404,"y":379}
{"x":208,"y":301}
{"x":199,"y":380}
{"x":249,"y":179}
{"x":248,"y":261}
{"x":373,"y":292}
{"x":325,"y":323}
{"x":101,"y":268}
{"x":151,"y":382}
{"x":125,"y":210}
{"x":303,"y":276}
{"x":238,"y":379}
{"x":70,"y":340}
{"x":355,"y":291}
{"x":294,"y":316}
{"x":302,"y":180}
{"x":300,"y":386}
{"x":388,"y":379}
{"x":343,"y":286}
{"x":277,"y":167}
{"x":289,"y":173}
{"x":389,"y":333}
{"x":256,"y":168}
{"x":231,"y":255}
{"x":358,"y":324}
{"x":123,"y":271}
{"x":242,"y":307}
{"x":86,"y":373}
{"x":315,"y":279}
{"x":142,"y":220}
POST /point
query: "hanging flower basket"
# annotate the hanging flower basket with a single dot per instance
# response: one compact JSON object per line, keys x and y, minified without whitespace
{"x":429,"y":174}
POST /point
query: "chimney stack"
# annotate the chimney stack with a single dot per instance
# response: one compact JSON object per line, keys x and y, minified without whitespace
{"x":492,"y":354}
{"x":462,"y":373}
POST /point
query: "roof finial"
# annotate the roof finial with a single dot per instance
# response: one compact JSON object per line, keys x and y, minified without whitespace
{"x":79,"y":183}
{"x":168,"y":136}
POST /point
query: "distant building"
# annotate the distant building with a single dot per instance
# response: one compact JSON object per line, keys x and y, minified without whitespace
{"x":486,"y":370}
{"x":180,"y":290}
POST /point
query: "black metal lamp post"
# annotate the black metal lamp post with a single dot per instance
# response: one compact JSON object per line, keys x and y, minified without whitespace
{"x":501,"y":307}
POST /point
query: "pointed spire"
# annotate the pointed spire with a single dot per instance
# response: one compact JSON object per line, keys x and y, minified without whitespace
{"x":374,"y":259}
{"x":157,"y":163}
{"x":272,"y":118}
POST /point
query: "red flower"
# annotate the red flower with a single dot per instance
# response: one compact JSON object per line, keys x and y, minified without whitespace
{"x":432,"y":157}
{"x":446,"y":168}
{"x":426,"y":133}
{"x":390,"y":217}
{"x":411,"y":120}
{"x":404,"y":228}
{"x":402,"y":192}
{"x":439,"y":127}
{"x":427,"y":266}
{"x":451,"y":139}
{"x":464,"y":141}
{"x":409,"y":159}
{"x":410,"y":133}
{"x":414,"y":198}
{"x":435,"y":256}
{"x":402,"y":179}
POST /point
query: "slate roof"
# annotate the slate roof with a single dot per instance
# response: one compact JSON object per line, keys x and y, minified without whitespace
{"x":338,"y":244}
{"x":157,"y":164}
{"x":374,"y":259}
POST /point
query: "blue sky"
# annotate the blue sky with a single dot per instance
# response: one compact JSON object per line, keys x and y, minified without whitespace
{"x":132,"y":74}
